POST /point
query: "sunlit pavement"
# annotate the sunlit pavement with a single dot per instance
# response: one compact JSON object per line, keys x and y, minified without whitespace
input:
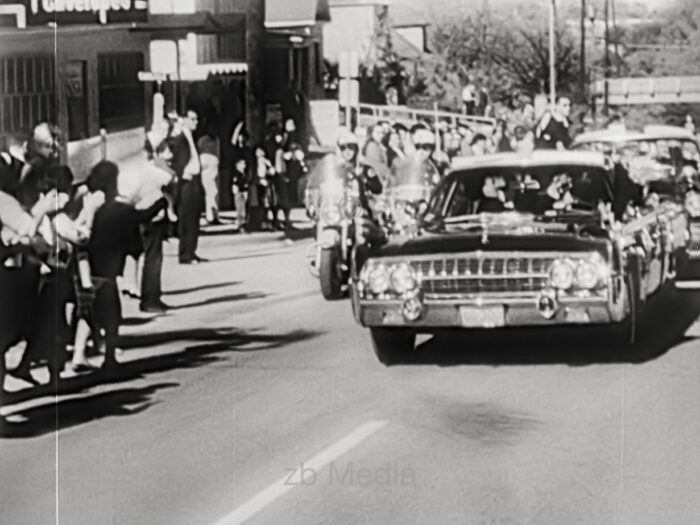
{"x":255,"y":399}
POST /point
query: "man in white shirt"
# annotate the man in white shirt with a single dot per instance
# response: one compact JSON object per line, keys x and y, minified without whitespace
{"x":469,"y":98}
{"x":143,"y":187}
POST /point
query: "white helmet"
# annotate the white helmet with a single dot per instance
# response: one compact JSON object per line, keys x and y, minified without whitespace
{"x":423,"y":136}
{"x":348,"y":138}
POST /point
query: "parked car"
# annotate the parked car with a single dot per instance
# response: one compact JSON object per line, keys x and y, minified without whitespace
{"x":509,"y":240}
{"x":671,"y":146}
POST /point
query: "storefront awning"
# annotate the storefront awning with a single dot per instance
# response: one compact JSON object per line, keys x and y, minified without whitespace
{"x":196,"y":72}
{"x":201,"y":23}
{"x":281,"y":14}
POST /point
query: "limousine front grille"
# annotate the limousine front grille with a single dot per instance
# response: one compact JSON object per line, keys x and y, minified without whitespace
{"x":483,"y":274}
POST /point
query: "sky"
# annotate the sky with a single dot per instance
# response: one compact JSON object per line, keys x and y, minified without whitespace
{"x":425,"y":5}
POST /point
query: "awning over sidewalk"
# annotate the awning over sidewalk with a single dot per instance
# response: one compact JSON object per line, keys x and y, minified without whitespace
{"x":280,"y":14}
{"x":196,"y":72}
{"x":201,"y":23}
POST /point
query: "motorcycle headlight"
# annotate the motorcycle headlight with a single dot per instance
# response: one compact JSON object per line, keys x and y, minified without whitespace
{"x":587,"y":275}
{"x":378,"y":279}
{"x":403,"y":279}
{"x":561,"y":274}
{"x":330,"y":214}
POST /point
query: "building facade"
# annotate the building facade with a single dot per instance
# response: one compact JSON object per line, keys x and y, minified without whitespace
{"x":76,"y":68}
{"x":97,"y":69}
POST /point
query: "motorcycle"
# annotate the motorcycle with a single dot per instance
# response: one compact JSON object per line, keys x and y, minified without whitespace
{"x":334,"y":206}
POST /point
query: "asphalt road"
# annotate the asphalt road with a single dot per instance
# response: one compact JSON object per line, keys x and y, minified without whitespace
{"x":255,"y":399}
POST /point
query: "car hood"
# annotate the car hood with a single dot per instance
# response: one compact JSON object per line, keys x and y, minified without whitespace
{"x":580,"y":233}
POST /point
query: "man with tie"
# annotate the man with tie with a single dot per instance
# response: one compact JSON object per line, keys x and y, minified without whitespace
{"x":190,"y":202}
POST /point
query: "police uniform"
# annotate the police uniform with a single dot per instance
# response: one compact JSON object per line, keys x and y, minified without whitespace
{"x":551,"y":131}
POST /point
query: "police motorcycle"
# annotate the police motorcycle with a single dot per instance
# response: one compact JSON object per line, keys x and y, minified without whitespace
{"x":336,"y":197}
{"x":411,"y":185}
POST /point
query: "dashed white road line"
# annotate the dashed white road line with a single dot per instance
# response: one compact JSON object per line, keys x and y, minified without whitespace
{"x":280,"y":487}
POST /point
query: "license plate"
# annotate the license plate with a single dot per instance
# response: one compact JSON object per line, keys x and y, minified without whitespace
{"x":482,"y":316}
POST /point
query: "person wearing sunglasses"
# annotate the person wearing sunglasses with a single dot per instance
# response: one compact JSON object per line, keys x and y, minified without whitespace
{"x":419,"y":167}
{"x":552,"y":132}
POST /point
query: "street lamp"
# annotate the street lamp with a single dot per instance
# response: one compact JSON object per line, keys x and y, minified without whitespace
{"x":552,"y":56}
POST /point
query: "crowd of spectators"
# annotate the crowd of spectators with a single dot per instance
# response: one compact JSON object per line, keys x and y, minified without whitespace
{"x":64,"y":244}
{"x":65,"y":241}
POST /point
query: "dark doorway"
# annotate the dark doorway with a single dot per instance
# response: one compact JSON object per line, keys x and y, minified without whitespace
{"x":76,"y":96}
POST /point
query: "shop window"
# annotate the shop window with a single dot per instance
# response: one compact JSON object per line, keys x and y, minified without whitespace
{"x":121,"y":94}
{"x":228,"y":47}
{"x":27,"y":93}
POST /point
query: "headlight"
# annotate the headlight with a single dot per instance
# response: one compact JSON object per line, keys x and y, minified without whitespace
{"x":403,"y":279}
{"x":561,"y":274}
{"x":378,"y":279}
{"x":330,"y":214}
{"x":587,"y":275}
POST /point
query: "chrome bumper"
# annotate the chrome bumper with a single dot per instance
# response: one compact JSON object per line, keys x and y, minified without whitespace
{"x":488,"y":312}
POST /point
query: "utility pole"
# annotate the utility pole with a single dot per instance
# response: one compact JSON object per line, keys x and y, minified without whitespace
{"x":606,"y":72}
{"x":552,"y":55}
{"x":255,"y":51}
{"x":584,"y":77}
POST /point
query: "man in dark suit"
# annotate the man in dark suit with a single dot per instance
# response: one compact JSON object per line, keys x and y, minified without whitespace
{"x":190,"y":201}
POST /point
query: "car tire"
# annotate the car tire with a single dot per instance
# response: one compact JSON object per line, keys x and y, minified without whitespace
{"x":392,"y":345}
{"x":625,"y":332}
{"x":330,"y":274}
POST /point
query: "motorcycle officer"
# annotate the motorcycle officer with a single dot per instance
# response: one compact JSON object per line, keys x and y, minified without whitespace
{"x":344,"y":164}
{"x":419,"y":167}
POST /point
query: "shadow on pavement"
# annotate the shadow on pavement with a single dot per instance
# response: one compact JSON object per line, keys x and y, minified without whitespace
{"x":183,"y":291}
{"x":663,"y":325}
{"x":300,"y":234}
{"x":222,"y":299}
{"x":217,"y":341}
{"x":226,"y":338}
{"x":253,"y":255}
{"x":136,"y":321}
{"x":44,"y":419}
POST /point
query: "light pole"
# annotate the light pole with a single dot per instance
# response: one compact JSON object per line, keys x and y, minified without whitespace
{"x":552,"y":56}
{"x":583,"y":78}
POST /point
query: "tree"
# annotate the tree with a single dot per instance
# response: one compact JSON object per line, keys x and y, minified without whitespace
{"x":507,"y":52}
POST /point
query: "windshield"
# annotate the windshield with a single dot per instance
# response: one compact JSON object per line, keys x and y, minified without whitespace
{"x":540,"y":190}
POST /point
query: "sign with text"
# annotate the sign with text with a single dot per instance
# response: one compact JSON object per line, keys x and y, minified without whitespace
{"x":66,"y":12}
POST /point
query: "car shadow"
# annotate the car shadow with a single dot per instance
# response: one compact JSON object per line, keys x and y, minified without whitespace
{"x":663,"y":325}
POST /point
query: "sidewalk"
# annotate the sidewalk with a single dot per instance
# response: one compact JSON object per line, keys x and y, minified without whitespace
{"x":224,"y":245}
{"x":208,"y":302}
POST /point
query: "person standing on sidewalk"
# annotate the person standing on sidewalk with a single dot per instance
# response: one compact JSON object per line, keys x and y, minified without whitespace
{"x":159,"y":177}
{"x":208,"y":147}
{"x":241,"y":185}
{"x":115,"y":234}
{"x":188,"y":169}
